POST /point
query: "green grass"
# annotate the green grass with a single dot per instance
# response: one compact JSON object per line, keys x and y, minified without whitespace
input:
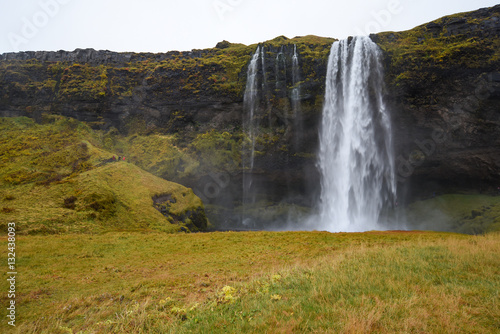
{"x":257,"y":282}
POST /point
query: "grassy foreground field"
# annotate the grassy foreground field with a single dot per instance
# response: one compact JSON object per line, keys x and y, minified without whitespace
{"x":255,"y":282}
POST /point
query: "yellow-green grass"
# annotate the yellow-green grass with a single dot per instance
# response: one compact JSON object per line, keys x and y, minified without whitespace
{"x":256,"y":282}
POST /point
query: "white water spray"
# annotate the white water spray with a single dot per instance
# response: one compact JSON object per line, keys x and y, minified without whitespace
{"x":356,"y":155}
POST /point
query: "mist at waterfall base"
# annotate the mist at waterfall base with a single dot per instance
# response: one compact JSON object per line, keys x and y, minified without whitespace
{"x":355,"y":158}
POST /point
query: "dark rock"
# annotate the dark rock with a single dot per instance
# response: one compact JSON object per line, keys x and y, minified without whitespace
{"x":475,"y":213}
{"x":433,"y":26}
{"x":197,"y":219}
{"x":457,"y":21}
{"x":494,"y":77}
{"x":223,"y":45}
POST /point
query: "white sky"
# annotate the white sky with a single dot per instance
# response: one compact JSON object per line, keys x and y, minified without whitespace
{"x":165,"y":25}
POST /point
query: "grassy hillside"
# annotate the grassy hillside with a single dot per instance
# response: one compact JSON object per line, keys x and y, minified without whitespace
{"x":257,"y":282}
{"x":54,"y":177}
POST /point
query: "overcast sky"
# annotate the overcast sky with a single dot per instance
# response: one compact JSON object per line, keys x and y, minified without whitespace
{"x":165,"y":25}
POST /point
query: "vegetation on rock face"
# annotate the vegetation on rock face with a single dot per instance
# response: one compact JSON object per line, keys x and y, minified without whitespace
{"x":218,"y":151}
{"x":426,"y":54}
{"x":215,"y":73}
{"x":54,"y":177}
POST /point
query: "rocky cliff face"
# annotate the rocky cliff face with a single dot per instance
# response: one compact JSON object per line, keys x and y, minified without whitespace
{"x":443,"y":87}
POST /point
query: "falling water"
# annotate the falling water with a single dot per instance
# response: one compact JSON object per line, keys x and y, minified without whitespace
{"x":295,"y":74}
{"x":356,"y":156}
{"x":265,"y":90}
{"x":250,"y":102}
{"x":263,"y":61}
{"x":296,"y":97}
{"x":280,"y":66}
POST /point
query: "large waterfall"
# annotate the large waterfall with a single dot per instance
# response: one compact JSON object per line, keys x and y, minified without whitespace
{"x":356,"y":156}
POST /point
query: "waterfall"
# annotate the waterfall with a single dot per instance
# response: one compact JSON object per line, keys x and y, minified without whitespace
{"x":295,"y":75}
{"x":280,"y":65}
{"x":355,"y":160}
{"x":250,"y":102}
{"x":296,"y":97}
{"x":265,"y":90}
{"x":263,"y":60}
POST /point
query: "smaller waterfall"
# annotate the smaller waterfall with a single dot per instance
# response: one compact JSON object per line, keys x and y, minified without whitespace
{"x":263,"y":61}
{"x":265,"y":88}
{"x":250,"y":102}
{"x":296,"y":97}
{"x":280,"y":70}
{"x":295,"y":74}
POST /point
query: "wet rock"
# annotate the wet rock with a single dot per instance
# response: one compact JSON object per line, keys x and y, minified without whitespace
{"x":475,"y":213}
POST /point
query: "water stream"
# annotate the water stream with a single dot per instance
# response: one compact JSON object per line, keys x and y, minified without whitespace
{"x":356,"y":155}
{"x":250,"y":101}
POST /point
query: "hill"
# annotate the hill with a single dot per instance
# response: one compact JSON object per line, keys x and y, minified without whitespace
{"x":55,"y":178}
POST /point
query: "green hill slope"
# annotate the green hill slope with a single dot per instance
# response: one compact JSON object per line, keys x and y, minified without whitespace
{"x":55,"y":178}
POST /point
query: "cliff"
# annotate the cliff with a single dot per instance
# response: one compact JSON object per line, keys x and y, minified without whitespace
{"x":444,"y":87}
{"x":179,"y":114}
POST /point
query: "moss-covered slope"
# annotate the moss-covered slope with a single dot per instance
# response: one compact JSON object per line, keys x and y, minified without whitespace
{"x":54,"y":177}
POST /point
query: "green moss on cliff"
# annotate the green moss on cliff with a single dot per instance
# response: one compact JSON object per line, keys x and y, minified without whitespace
{"x":84,"y":81}
{"x":217,"y":71}
{"x":218,"y":151}
{"x":424,"y":54}
{"x":179,"y":158}
{"x":159,"y":155}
